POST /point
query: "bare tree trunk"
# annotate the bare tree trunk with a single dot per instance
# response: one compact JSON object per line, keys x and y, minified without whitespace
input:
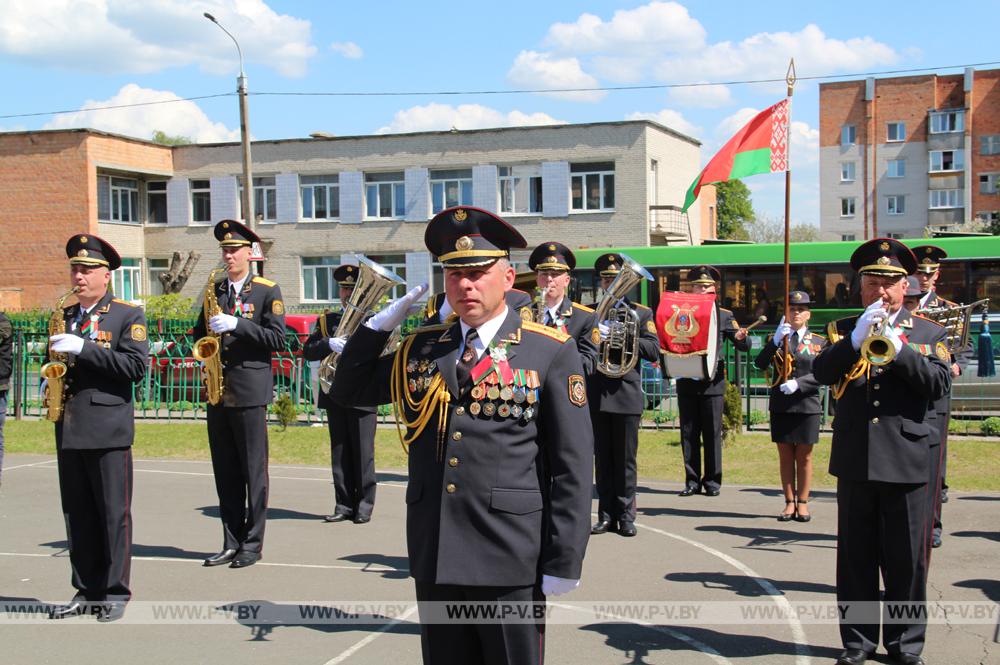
{"x":176,"y":277}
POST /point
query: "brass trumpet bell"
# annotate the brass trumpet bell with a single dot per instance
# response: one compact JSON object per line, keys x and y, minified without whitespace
{"x":878,"y":350}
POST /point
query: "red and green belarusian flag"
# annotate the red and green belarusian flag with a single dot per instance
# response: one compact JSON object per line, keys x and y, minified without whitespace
{"x":760,"y":147}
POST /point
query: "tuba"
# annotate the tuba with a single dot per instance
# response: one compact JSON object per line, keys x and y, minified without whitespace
{"x":207,"y":348}
{"x":955,"y":318}
{"x":55,"y":370}
{"x":619,"y":353}
{"x":374,"y":281}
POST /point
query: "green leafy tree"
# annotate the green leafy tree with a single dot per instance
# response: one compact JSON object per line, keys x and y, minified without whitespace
{"x":163,"y":138}
{"x":734,"y":209}
{"x":169,"y":306}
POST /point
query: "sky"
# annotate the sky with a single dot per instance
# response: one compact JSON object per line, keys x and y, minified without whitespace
{"x":66,"y":55}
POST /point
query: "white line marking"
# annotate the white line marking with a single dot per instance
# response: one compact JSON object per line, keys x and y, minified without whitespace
{"x":361,"y":644}
{"x":25,"y":466}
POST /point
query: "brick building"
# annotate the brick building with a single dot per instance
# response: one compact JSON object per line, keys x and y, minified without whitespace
{"x":320,"y":200}
{"x":906,"y":154}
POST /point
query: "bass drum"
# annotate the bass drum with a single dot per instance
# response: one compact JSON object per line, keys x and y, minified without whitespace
{"x":699,"y":358}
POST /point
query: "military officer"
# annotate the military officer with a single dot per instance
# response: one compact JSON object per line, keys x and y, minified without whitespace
{"x":499,"y":445}
{"x":882,"y":433}
{"x":552,"y":263}
{"x":252,"y":327}
{"x":794,"y":402}
{"x":105,"y":340}
{"x":352,"y":429}
{"x":616,"y":409}
{"x":700,"y":402}
{"x":439,"y":310}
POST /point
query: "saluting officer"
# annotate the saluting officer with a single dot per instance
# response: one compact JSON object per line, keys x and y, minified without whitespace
{"x":439,"y":310}
{"x":352,"y":429}
{"x":499,"y":445}
{"x":252,"y":327}
{"x":882,"y":433}
{"x":700,"y":401}
{"x":794,"y":402}
{"x":616,"y":409}
{"x":108,"y":353}
{"x":552,"y":263}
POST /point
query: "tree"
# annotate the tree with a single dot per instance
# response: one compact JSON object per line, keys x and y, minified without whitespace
{"x":734,"y":209}
{"x":176,"y":277}
{"x":163,"y":138}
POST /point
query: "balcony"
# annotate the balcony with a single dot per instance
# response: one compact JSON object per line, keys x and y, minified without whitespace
{"x":667,"y":224}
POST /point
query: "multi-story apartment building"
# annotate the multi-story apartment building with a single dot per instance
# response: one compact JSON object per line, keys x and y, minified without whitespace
{"x":902,"y":155}
{"x":320,"y":200}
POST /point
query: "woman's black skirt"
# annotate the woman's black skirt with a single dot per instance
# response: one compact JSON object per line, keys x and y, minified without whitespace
{"x":795,"y":427}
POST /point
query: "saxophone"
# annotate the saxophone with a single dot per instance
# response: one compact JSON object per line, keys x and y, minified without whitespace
{"x":54,"y":371}
{"x":207,"y":348}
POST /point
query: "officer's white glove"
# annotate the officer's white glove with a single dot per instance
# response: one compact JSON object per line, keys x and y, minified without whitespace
{"x":789,"y":387}
{"x":604,"y":328}
{"x":396,"y":311}
{"x":893,"y":334}
{"x":222,"y":323}
{"x":783,"y":331}
{"x":556,"y":586}
{"x":66,"y":343}
{"x":873,"y":315}
{"x":337,"y":344}
{"x":445,"y":310}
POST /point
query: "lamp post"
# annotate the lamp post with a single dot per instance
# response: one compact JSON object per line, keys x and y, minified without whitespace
{"x":241,"y":88}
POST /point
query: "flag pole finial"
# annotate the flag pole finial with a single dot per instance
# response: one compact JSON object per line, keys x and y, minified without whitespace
{"x":790,"y":76}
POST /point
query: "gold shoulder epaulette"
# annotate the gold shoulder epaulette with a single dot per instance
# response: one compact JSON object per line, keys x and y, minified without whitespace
{"x":545,"y":330}
{"x":433,"y":327}
{"x":818,"y":335}
{"x":583,"y":307}
{"x":265,"y":282}
{"x":832,"y":332}
{"x":123,"y":302}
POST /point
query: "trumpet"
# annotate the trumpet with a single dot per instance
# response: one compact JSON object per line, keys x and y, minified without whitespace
{"x":878,"y":349}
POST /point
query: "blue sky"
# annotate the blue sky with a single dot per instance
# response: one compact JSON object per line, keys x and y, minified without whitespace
{"x":70,"y":55}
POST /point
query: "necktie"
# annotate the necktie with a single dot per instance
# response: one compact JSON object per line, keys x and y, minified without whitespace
{"x":236,"y":308}
{"x":463,"y":370}
{"x":793,"y":342}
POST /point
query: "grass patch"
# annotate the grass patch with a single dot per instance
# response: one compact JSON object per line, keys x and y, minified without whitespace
{"x":751,"y":460}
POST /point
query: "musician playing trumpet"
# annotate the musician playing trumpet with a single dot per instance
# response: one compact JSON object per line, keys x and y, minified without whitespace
{"x":794,"y":402}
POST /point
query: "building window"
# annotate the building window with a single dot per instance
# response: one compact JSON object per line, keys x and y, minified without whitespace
{"x":989,"y":144}
{"x":894,"y":236}
{"x":450,"y":188}
{"x":318,"y":284}
{"x":896,"y":168}
{"x":847,"y":237}
{"x":156,"y":202}
{"x":946,"y":198}
{"x":592,"y":186}
{"x":520,"y":189}
{"x":320,"y":196}
{"x":385,"y":195}
{"x":895,"y":204}
{"x":201,"y":201}
{"x":117,"y":199}
{"x":848,"y":135}
{"x":393,"y":263}
{"x":156,"y":268}
{"x":127,"y":280}
{"x":988,"y":183}
{"x":896,"y":131}
{"x":847,"y":206}
{"x":947,"y":121}
{"x":947,"y":160}
{"x":988,"y":216}
{"x":265,"y":199}
{"x":847,"y":171}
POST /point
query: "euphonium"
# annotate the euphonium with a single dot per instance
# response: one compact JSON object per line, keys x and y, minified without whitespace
{"x":207,"y":348}
{"x":374,"y":281}
{"x":619,"y":353}
{"x":955,"y":318}
{"x":54,"y":371}
{"x":878,"y":349}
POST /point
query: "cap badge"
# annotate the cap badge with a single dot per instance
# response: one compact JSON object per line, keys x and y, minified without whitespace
{"x":884,"y":247}
{"x":228,"y":236}
{"x":797,"y":297}
{"x":225,"y":225}
{"x":460,"y":216}
{"x":883,"y":260}
{"x":84,"y":253}
{"x":552,"y":259}
{"x":464,"y":243}
{"x":927,"y":261}
{"x":928,"y":250}
{"x":83,"y":239}
{"x":552,"y":248}
{"x":350,"y":268}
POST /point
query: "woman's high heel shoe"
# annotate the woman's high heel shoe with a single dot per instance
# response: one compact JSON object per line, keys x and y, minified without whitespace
{"x":787,"y":517}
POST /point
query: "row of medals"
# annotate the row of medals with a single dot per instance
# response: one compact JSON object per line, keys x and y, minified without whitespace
{"x":515,"y":401}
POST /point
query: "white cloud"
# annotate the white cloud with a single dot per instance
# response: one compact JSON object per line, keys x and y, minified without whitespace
{"x":349,"y":50}
{"x":534,"y":70}
{"x":123,"y":36}
{"x":668,"y":118}
{"x":434,"y":117}
{"x":652,"y":28}
{"x":178,"y":118}
{"x":702,"y":96}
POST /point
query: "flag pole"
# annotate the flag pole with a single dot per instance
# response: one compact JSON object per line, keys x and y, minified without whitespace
{"x":790,"y":80}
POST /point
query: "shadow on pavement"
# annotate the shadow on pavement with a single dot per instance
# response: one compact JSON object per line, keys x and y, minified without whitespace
{"x":399,"y":565}
{"x":272,"y":513}
{"x":988,"y":535}
{"x":990,"y":588}
{"x":763,"y":539}
{"x":744,"y":586}
{"x":814,"y":494}
{"x":320,"y":617}
{"x":689,"y":512}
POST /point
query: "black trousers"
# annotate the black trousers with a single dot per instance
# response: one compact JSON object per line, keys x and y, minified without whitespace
{"x":881,"y":527}
{"x":352,"y":457}
{"x":237,"y":437}
{"x":701,"y":429}
{"x":939,"y":461}
{"x":517,"y":642}
{"x":616,"y":442}
{"x":96,"y":491}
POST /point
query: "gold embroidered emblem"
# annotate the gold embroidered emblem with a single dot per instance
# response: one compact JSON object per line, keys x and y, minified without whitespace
{"x":595,"y":336}
{"x":928,"y":250}
{"x":883,"y":260}
{"x":526,"y":314}
{"x":928,"y":261}
{"x":681,"y":325}
{"x":83,"y":239}
{"x":797,"y":297}
{"x":577,"y":390}
{"x":138,"y":332}
{"x":277,"y":308}
{"x":942,"y":352}
{"x":228,"y":236}
{"x":464,"y":243}
{"x":651,"y":327}
{"x":884,"y":247}
{"x":552,"y":248}
{"x":225,"y":225}
{"x":460,"y":215}
{"x":84,"y":253}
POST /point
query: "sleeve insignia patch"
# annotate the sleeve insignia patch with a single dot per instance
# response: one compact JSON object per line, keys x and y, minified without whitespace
{"x":651,"y":327}
{"x":138,"y":332}
{"x":942,"y":352}
{"x":595,"y":336}
{"x":577,"y":390}
{"x":526,"y":314}
{"x":277,"y":308}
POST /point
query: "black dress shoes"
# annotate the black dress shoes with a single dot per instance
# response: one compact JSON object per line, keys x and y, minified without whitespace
{"x":906,"y":659}
{"x":711,"y":492}
{"x":852,"y":657}
{"x":225,"y":556}
{"x":70,"y":609}
{"x":337,"y":517}
{"x":362,"y":519}
{"x":601,"y":526}
{"x":626,"y":529}
{"x":936,"y":540}
{"x":110,"y":611}
{"x":689,"y":490}
{"x":244,"y":559}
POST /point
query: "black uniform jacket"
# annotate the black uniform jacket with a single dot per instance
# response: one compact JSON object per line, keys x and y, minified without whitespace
{"x":516,"y":300}
{"x":728,"y":327}
{"x":98,"y":412}
{"x":962,"y":357}
{"x":624,"y":395}
{"x":806,"y":398}
{"x":6,"y":351}
{"x":883,"y":427}
{"x":496,"y":501}
{"x":317,"y":347}
{"x":579,"y":322}
{"x":246,"y":351}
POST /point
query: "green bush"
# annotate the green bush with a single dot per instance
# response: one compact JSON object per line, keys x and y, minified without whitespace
{"x":284,"y":409}
{"x":168,"y":306}
{"x":959,"y":426}
{"x":991,"y":426}
{"x":732,"y":413}
{"x":758,"y":417}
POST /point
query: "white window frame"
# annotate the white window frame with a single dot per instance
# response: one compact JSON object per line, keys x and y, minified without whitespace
{"x":394,"y":263}
{"x":122,"y":203}
{"x":944,"y":199}
{"x":989,"y":144}
{"x":325,"y":187}
{"x":848,"y":206}
{"x":895,"y":204}
{"x":154,"y":268}
{"x":159,"y":193}
{"x":265,"y":199}
{"x":517,"y":182}
{"x":133,"y":274}
{"x":957,"y":160}
{"x":582,"y":176}
{"x":991,"y":182}
{"x":947,"y":122}
{"x":396,"y":189}
{"x":206,"y":190}
{"x":895,"y":132}
{"x":901,"y":170}
{"x":848,"y":135}
{"x":848,"y":171}
{"x":444,"y":180}
{"x":308,"y":272}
